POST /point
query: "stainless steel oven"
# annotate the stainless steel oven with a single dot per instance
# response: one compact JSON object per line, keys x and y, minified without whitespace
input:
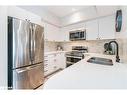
{"x":70,"y":60}
{"x":75,"y":55}
{"x":77,"y":35}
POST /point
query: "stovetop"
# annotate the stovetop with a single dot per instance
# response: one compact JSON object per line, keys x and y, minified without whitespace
{"x":77,"y":51}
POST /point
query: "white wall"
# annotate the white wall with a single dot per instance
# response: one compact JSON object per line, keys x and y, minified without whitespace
{"x":3,"y":47}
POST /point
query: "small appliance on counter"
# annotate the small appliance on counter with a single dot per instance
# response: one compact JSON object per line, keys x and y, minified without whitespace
{"x":75,"y":55}
{"x":59,"y":48}
{"x":109,"y":50}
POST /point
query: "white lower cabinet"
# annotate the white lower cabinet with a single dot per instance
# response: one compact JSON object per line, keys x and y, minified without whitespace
{"x":54,"y":62}
{"x":61,"y":60}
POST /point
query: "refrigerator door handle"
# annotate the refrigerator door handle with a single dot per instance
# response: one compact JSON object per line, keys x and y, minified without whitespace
{"x":30,"y":42}
{"x":21,"y":71}
{"x":33,"y":31}
{"x":26,"y":69}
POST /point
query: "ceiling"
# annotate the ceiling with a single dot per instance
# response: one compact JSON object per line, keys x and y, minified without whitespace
{"x":71,"y":14}
{"x":59,"y":11}
{"x":62,"y":11}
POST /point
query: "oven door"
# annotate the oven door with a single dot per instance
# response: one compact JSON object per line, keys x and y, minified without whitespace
{"x":72,"y":59}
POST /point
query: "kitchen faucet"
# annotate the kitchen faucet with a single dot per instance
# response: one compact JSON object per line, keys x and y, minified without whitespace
{"x":117,"y":48}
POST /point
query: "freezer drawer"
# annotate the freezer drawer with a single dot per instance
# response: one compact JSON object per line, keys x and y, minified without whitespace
{"x":29,"y":77}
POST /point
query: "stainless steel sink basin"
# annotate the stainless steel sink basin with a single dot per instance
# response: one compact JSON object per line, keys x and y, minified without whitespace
{"x":101,"y":61}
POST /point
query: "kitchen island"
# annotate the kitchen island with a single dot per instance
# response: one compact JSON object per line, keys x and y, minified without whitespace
{"x":85,"y":75}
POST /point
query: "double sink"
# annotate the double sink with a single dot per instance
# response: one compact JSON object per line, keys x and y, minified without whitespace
{"x":101,"y":61}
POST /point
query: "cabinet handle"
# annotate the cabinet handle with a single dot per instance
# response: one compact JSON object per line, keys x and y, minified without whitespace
{"x":45,"y":60}
{"x":55,"y":60}
{"x":45,"y":65}
{"x":45,"y":70}
{"x":46,"y":39}
{"x":55,"y":67}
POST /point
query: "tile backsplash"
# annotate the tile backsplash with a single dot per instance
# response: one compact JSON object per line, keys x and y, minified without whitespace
{"x":50,"y":46}
{"x":94,"y":46}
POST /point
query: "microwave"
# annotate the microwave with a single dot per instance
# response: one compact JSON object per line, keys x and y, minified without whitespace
{"x":77,"y":35}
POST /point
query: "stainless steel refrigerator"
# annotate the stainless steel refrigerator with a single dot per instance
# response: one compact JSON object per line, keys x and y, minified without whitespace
{"x":25,"y":54}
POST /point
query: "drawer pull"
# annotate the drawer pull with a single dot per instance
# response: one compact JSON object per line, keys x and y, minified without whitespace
{"x":45,"y":64}
{"x":45,"y":60}
{"x":45,"y":70}
{"x":55,"y":67}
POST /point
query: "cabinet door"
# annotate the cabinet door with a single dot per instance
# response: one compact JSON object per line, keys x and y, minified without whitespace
{"x":51,"y":32}
{"x":107,"y":27}
{"x":48,"y":64}
{"x":57,"y":34}
{"x":92,"y":30}
{"x":61,"y":60}
{"x":65,"y":34}
{"x":48,"y":32}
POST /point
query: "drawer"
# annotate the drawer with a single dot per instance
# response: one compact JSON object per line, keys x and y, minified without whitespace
{"x":55,"y":68}
{"x":47,"y":71}
{"x":46,"y":65}
{"x":50,"y":56}
{"x":46,"y":61}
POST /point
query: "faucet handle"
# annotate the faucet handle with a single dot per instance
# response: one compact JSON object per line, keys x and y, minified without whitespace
{"x":117,"y":59}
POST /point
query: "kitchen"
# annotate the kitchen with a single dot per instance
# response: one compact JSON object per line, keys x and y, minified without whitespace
{"x":71,"y":38}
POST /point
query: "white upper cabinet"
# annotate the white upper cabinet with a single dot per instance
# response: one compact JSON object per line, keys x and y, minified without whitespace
{"x":107,"y":27}
{"x":103,"y":28}
{"x":92,"y":30}
{"x":65,"y":34}
{"x":51,"y":32}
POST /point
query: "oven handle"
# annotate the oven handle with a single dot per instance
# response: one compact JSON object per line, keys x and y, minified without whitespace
{"x":74,"y":57}
{"x":68,"y":62}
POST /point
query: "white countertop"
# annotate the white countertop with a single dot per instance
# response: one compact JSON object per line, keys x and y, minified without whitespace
{"x":53,"y":52}
{"x":84,"y":75}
